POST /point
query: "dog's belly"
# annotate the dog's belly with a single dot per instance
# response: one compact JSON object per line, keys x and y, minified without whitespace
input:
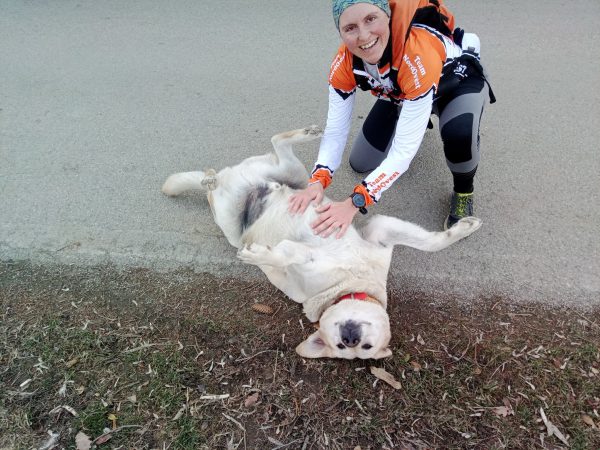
{"x":254,"y":205}
{"x":333,"y":262}
{"x":266,"y":220}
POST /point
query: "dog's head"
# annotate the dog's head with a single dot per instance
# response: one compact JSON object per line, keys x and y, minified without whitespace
{"x":350,"y":329}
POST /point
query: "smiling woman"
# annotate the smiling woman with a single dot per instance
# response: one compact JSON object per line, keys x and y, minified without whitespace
{"x":411,"y":57}
{"x":365,"y":30}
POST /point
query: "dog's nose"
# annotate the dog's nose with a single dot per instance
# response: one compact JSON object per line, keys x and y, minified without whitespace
{"x":350,"y":333}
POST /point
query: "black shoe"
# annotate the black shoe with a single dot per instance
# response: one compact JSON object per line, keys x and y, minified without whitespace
{"x":461,"y":206}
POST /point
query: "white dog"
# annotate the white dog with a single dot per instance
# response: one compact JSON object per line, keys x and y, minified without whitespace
{"x":340,"y":282}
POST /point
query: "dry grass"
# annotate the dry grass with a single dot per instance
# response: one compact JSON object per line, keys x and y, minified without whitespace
{"x":183,"y":361}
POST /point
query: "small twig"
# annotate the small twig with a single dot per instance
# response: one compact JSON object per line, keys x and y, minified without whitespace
{"x":116,"y":430}
{"x":240,"y":426}
{"x":256,"y":354}
{"x":497,"y":368}
{"x":281,"y":445}
{"x":214,"y":397}
{"x":141,"y":347}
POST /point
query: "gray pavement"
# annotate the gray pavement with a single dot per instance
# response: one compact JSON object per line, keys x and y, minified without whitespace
{"x":101,"y":100}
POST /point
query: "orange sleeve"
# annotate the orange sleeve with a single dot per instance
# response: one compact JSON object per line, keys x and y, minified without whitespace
{"x":422,"y":64}
{"x":341,"y":77}
{"x":361,"y":189}
{"x":321,"y":175}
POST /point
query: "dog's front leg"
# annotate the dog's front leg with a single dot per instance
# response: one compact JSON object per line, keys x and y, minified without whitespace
{"x":283,"y":254}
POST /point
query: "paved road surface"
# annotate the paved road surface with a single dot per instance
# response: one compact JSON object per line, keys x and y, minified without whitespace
{"x":101,"y":100}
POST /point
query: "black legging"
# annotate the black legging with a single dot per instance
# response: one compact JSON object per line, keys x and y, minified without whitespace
{"x":459,"y":115}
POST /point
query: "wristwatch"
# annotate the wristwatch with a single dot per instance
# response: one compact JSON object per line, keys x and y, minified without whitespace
{"x":359,"y":201}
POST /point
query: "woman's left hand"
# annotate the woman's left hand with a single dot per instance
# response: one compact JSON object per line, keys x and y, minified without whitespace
{"x":334,"y":216}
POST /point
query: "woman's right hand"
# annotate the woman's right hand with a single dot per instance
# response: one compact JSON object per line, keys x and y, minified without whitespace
{"x":300,"y":200}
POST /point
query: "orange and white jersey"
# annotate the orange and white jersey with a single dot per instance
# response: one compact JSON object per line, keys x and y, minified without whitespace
{"x":426,"y":51}
{"x":414,"y":84}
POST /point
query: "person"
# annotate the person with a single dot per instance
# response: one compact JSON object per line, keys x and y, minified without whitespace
{"x":410,"y":56}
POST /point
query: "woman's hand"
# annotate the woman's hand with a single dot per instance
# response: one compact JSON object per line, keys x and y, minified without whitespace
{"x":334,"y":216}
{"x":301,"y":199}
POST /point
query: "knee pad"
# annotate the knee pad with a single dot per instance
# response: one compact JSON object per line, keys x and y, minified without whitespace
{"x":457,"y":135}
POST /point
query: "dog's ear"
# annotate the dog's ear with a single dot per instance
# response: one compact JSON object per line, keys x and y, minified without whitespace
{"x":314,"y":347}
{"x":383,"y":353}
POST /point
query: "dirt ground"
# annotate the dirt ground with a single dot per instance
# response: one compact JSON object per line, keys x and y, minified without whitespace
{"x":107,"y":358}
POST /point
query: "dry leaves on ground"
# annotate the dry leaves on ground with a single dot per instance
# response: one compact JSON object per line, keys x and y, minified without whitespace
{"x":384,"y":375}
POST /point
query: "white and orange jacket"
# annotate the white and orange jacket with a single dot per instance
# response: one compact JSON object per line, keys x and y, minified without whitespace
{"x":409,"y":73}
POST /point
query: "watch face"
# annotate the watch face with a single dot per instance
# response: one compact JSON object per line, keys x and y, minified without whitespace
{"x":358,"y":200}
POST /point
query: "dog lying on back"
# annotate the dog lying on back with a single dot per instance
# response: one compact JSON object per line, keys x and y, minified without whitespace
{"x":341,"y":283}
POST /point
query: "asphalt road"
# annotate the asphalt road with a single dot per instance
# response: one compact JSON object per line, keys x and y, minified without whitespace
{"x":101,"y":100}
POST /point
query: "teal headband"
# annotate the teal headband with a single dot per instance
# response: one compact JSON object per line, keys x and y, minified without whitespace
{"x":339,"y":6}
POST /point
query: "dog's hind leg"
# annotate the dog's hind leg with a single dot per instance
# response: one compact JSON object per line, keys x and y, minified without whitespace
{"x":290,"y":170}
{"x":387,"y":231}
{"x":185,"y":181}
{"x":283,"y":142}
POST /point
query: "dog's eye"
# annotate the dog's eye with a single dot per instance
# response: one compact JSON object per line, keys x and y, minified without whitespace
{"x":341,"y":346}
{"x":367,"y":346}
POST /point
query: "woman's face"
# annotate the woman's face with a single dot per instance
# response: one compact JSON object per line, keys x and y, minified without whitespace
{"x":365,"y":30}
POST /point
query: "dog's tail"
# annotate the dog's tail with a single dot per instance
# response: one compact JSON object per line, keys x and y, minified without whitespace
{"x":186,"y":181}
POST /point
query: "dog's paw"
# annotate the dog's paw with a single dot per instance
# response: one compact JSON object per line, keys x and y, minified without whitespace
{"x":210,"y":180}
{"x":254,"y":254}
{"x":296,"y":136}
{"x":466,"y":226}
{"x":313,"y":131}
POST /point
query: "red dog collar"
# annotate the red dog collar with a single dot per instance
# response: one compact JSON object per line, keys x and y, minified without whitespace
{"x":357,"y":296}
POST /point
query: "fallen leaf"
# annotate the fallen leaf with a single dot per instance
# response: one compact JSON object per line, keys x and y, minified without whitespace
{"x":384,"y":375}
{"x":63,"y":390}
{"x":72,"y":362}
{"x":179,"y":413}
{"x":67,"y":408}
{"x":502,"y":411}
{"x":51,"y":442}
{"x":552,"y":430}
{"x":557,"y":363}
{"x":415,"y":365}
{"x":70,"y":410}
{"x":83,"y":441}
{"x":588,"y":421}
{"x":251,"y":400}
{"x":102,"y":439}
